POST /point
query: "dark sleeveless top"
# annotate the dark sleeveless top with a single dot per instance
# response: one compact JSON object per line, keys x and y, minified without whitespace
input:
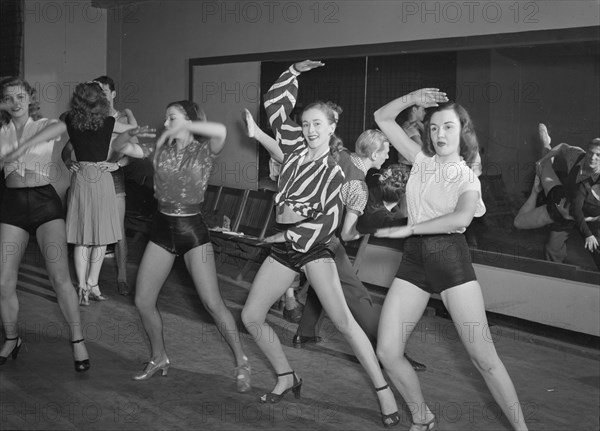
{"x":91,"y":145}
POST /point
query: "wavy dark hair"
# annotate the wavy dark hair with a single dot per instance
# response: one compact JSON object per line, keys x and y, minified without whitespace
{"x":88,"y":107}
{"x":34,"y":105}
{"x":469,"y":147}
{"x":330,"y":109}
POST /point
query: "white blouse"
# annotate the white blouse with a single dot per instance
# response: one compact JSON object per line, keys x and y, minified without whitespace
{"x":38,"y":159}
{"x":433,"y":189}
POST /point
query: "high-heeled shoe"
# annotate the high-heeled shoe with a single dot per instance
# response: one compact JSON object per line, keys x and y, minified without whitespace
{"x":427,"y":426}
{"x":80,"y":366}
{"x":272,"y":398}
{"x":14,"y":352}
{"x":242,"y":377}
{"x":95,"y":293}
{"x":84,"y":293}
{"x":152,"y":367}
{"x":392,"y":419}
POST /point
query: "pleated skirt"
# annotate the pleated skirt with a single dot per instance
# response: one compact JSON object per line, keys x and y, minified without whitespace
{"x":92,"y":214}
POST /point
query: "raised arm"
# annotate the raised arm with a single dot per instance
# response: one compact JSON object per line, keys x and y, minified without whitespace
{"x":385,"y":117}
{"x":280,"y":101}
{"x":265,"y":140}
{"x":52,"y":131}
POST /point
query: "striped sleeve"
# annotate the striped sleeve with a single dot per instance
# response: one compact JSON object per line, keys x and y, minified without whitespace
{"x":279,"y":103}
{"x":324,"y":223}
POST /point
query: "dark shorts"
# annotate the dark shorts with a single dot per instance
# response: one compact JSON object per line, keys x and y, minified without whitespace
{"x":178,"y":235}
{"x":283,"y":252}
{"x":435,"y":263}
{"x":30,"y":207}
{"x":119,"y":180}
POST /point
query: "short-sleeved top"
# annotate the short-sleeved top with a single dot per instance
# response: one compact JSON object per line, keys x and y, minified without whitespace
{"x":91,"y":145}
{"x":433,"y":189}
{"x":181,"y":176}
{"x":355,"y":193}
{"x":37,"y":159}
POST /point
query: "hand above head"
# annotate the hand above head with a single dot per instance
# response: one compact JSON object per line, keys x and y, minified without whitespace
{"x":306,"y":65}
{"x":428,"y":97}
{"x":250,"y":123}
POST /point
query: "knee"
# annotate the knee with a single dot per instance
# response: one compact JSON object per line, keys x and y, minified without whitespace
{"x":143,"y":305}
{"x":345,"y":325}
{"x":251,"y":318}
{"x":214,"y":306}
{"x":387,"y":355}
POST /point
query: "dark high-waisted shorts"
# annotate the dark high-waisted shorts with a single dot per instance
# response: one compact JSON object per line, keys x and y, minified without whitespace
{"x":179,"y":234}
{"x":119,"y":180}
{"x":435,"y":263}
{"x":30,"y":207}
{"x":283,"y":252}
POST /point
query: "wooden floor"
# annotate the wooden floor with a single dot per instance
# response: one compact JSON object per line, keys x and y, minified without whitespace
{"x":558,"y":383}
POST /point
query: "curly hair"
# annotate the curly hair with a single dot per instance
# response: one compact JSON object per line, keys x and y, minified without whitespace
{"x":88,"y":107}
{"x":34,"y":105}
{"x":391,"y":184}
{"x":469,"y":146}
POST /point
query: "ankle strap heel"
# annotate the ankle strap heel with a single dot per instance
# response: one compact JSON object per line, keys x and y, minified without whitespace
{"x":392,"y":419}
{"x":80,"y":366}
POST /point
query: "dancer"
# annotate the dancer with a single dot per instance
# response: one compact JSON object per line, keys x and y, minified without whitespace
{"x":308,"y":212}
{"x":573,"y":203}
{"x":182,"y":157}
{"x":372,"y":150}
{"x":443,"y":196}
{"x":31,"y":206}
{"x":125,"y":117}
{"x":92,"y":215}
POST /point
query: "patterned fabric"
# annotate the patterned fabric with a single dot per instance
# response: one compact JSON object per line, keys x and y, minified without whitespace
{"x":181,"y":176}
{"x":310,"y":189}
{"x":37,"y":159}
{"x":433,"y":189}
{"x":354,"y":193}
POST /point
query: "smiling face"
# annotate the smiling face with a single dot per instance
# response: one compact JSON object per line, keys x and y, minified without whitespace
{"x":444,"y":130}
{"x":18,"y":99}
{"x":593,"y":158}
{"x":316,"y":128}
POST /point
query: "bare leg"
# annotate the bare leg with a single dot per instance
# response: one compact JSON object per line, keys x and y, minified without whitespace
{"x":52,"y":240}
{"x":403,"y":307}
{"x":530,"y":216}
{"x":270,"y":283}
{"x":201,"y":265}
{"x":81,"y":259}
{"x":152,"y":274}
{"x":322,"y":275}
{"x":465,"y":304}
{"x":14,"y":243}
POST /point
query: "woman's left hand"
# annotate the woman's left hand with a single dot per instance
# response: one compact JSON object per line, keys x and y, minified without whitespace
{"x":428,"y":97}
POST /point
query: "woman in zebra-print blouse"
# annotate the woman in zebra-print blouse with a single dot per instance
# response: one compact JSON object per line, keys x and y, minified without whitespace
{"x":309,"y":209}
